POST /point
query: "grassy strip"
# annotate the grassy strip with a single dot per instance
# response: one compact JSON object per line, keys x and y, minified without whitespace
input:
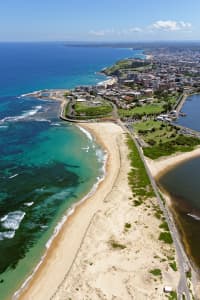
{"x":138,"y":178}
{"x":67,"y":109}
{"x":147,"y":126}
{"x":102,"y":110}
{"x":140,"y":111}
{"x":180,"y":144}
{"x":155,"y":132}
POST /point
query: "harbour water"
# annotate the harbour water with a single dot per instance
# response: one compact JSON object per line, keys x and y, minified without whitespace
{"x":182,"y":185}
{"x":191,"y":108}
{"x":46,"y":165}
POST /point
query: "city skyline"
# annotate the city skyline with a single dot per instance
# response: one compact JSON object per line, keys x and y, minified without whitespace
{"x":101,"y":21}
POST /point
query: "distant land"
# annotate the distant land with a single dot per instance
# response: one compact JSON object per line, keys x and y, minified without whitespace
{"x":138,"y":45}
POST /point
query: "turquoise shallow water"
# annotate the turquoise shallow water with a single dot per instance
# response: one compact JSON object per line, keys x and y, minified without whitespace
{"x":46,"y":165}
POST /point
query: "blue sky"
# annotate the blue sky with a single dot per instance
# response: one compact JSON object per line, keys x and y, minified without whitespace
{"x":99,"y":20}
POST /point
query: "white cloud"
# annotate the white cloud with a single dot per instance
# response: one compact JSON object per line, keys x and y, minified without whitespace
{"x":135,"y":29}
{"x":170,"y":25}
{"x":156,"y":27}
{"x":97,"y":32}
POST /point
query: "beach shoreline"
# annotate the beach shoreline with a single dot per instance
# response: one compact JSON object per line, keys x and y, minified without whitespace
{"x":23,"y":292}
{"x":162,"y":165}
{"x":81,"y":260}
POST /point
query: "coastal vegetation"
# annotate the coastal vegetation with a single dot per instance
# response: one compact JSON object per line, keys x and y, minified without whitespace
{"x":180,"y":143}
{"x":173,"y":266}
{"x":158,"y":212}
{"x":117,"y":245}
{"x":127,"y":226}
{"x":156,"y":272}
{"x":164,"y":226}
{"x":138,"y":178}
{"x":168,"y":99}
{"x":173,"y":296}
{"x":166,"y":237}
{"x":163,"y":139}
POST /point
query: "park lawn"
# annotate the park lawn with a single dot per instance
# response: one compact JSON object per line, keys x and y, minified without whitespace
{"x":180,"y":144}
{"x":163,"y":139}
{"x":84,"y":109}
{"x":147,"y":125}
{"x":149,"y":109}
{"x":161,"y":135}
{"x":155,"y":131}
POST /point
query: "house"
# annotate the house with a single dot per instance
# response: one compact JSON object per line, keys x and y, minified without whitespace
{"x":148,"y":92}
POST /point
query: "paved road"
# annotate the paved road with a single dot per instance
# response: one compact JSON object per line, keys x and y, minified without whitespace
{"x":183,"y":263}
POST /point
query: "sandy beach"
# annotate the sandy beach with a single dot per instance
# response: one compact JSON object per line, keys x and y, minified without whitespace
{"x":83,"y":262}
{"x":162,"y":165}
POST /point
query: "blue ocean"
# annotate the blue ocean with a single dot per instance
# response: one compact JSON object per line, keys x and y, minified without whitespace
{"x":46,"y":165}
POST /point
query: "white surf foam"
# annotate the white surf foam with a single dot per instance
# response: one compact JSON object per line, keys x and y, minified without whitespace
{"x":55,"y":124}
{"x":25,"y":115}
{"x":28,"y":204}
{"x":86,"y":149}
{"x":30,"y":94}
{"x":60,"y":224}
{"x":7,"y":235}
{"x":13,"y":176}
{"x":42,"y":120}
{"x":87,"y":133}
{"x":100,"y":155}
{"x":12,"y":220}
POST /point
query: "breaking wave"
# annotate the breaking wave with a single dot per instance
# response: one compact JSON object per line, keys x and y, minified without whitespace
{"x":12,"y":220}
{"x":25,"y":115}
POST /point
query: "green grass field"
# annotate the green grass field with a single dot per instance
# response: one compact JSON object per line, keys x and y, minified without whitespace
{"x":85,"y":110}
{"x":180,"y":144}
{"x":163,"y":139}
{"x":154,"y":132}
{"x":139,"y":111}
